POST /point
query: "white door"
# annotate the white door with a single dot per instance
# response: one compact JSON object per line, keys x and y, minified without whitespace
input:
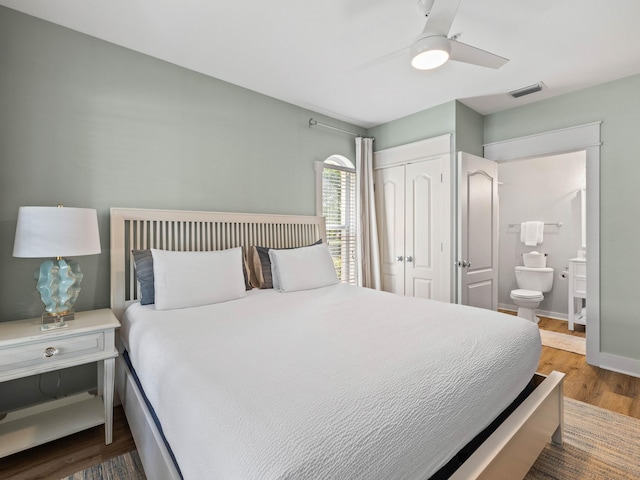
{"x":477,"y":262}
{"x":390,"y":197}
{"x":423,"y":230}
{"x":409,"y":207}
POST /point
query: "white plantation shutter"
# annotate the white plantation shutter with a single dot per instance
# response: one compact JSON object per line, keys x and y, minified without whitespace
{"x":339,"y":210}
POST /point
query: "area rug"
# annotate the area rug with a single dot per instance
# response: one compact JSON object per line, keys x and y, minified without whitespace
{"x":124,"y":467}
{"x":562,"y":341}
{"x":599,"y":445}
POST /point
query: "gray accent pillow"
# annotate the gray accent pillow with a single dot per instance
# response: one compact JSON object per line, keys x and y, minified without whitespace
{"x":144,"y":273}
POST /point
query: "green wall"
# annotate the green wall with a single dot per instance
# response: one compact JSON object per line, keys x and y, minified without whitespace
{"x":429,"y":123}
{"x":617,"y":105}
{"x":469,"y":133}
{"x":86,"y":123}
{"x":465,"y":124}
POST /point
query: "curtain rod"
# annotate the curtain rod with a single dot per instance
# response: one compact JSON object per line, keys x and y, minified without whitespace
{"x":313,"y":123}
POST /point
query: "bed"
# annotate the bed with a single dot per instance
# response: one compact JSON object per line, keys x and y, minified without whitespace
{"x":328,"y":382}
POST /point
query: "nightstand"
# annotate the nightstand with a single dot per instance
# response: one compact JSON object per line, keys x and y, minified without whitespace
{"x":25,"y":351}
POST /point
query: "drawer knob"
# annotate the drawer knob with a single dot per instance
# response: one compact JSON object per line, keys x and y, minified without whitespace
{"x":50,"y":352}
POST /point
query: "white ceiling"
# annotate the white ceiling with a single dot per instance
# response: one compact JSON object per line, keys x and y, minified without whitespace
{"x":322,"y":55}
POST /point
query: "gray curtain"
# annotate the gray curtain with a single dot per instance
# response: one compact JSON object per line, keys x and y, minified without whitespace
{"x":367,"y":240}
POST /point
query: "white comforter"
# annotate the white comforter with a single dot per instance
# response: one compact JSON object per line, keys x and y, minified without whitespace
{"x":335,"y":383}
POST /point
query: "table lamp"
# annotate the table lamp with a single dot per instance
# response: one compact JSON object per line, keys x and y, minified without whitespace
{"x":54,"y":233}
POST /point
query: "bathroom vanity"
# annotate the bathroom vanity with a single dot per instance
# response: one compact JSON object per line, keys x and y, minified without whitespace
{"x":577,"y":292}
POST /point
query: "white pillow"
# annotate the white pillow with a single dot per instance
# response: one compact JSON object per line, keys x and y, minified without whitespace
{"x":302,"y":268}
{"x":190,"y":279}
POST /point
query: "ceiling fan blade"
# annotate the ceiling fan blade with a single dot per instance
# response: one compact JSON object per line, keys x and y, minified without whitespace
{"x":377,"y":61}
{"x":441,"y":17}
{"x":461,"y":52}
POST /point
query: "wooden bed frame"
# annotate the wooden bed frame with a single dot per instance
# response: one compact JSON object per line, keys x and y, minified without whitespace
{"x":507,"y":454}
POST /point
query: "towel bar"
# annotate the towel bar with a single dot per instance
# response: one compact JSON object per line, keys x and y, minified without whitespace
{"x":557,"y":224}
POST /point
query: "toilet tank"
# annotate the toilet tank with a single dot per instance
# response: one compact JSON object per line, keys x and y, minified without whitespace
{"x":539,"y":279}
{"x":534,"y":259}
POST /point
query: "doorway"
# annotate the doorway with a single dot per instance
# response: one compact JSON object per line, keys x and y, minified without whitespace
{"x":548,"y":189}
{"x":585,"y":138}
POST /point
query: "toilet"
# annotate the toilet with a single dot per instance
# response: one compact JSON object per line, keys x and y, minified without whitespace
{"x":532,"y":282}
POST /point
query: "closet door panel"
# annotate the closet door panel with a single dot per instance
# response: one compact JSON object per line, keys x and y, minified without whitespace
{"x":423,"y":269}
{"x":422,"y":288}
{"x":390,"y":197}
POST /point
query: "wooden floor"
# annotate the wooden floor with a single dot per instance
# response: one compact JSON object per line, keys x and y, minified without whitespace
{"x":610,"y":390}
{"x":64,"y":457}
{"x":596,"y":386}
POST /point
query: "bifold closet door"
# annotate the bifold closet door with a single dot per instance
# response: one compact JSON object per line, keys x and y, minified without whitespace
{"x":408,"y":202}
{"x":390,"y":198}
{"x":423,"y":230}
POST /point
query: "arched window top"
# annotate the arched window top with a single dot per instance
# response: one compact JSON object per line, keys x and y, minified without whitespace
{"x":340,"y":161}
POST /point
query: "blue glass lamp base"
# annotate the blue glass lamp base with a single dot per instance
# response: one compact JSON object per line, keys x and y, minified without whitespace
{"x":59,"y":286}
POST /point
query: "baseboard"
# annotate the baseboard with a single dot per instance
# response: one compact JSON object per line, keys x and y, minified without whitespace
{"x":540,"y":313}
{"x":616,"y":363}
{"x":608,"y":361}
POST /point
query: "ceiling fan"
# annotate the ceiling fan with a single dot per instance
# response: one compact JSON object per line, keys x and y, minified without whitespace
{"x":433,"y":47}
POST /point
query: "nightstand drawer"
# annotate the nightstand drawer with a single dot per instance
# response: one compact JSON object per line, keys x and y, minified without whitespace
{"x":52,"y":351}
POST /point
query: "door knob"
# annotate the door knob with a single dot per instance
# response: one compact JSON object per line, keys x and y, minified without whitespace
{"x":400,"y":258}
{"x":409,"y":259}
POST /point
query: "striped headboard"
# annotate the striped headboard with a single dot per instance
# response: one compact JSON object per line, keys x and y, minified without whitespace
{"x":136,"y":229}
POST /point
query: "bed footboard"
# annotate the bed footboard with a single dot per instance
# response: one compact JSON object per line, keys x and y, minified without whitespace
{"x":507,"y":454}
{"x":513,"y":448}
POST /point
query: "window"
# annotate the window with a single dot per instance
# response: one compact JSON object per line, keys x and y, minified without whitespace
{"x":338,"y":189}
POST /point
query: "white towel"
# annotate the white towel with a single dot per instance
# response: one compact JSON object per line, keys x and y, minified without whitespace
{"x":531,"y":233}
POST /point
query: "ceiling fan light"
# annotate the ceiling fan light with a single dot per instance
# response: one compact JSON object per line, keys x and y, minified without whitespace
{"x":429,"y":59}
{"x":429,"y":52}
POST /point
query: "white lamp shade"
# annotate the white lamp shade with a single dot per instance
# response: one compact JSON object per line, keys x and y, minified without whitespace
{"x":45,"y":232}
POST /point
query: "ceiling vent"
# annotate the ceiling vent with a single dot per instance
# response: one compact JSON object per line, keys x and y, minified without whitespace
{"x":521,"y":92}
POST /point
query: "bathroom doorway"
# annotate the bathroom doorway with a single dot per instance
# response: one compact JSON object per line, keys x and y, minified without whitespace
{"x":579,"y":138}
{"x":550,"y":189}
